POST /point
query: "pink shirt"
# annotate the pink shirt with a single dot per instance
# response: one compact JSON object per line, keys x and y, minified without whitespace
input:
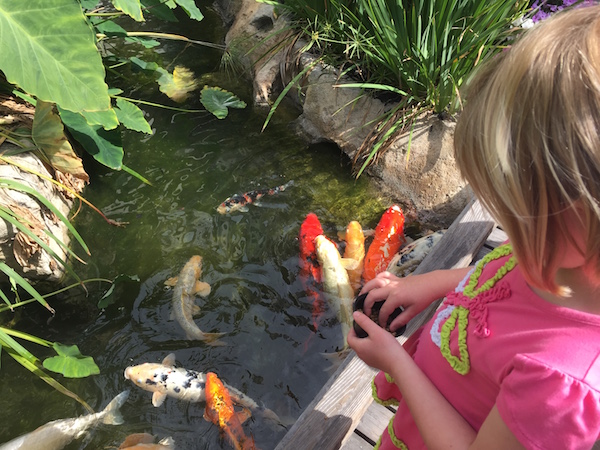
{"x":502,"y":344}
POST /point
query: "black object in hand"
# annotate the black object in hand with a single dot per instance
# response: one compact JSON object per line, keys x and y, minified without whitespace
{"x":358,"y":305}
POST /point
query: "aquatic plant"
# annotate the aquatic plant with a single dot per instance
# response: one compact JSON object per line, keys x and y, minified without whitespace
{"x":416,"y":53}
{"x":56,"y":57}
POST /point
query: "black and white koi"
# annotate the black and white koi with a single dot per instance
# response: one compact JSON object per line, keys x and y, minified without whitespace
{"x":57,"y":434}
{"x":165,"y":380}
{"x":240,"y":202}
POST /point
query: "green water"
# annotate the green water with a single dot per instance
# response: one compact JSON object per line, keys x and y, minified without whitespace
{"x":194,"y":162}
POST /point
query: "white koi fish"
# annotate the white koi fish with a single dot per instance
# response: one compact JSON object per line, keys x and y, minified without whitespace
{"x":187,"y":286}
{"x":336,"y":283}
{"x":165,"y":380}
{"x":57,"y":434}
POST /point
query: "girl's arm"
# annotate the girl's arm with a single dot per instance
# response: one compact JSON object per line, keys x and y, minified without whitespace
{"x":414,"y":293}
{"x":440,"y":425}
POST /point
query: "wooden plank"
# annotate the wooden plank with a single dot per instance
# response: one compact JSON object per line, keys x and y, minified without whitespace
{"x":373,"y":422}
{"x":356,"y":442}
{"x":329,"y":420}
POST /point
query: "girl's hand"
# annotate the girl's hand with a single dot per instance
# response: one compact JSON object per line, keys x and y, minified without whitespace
{"x":413,"y":293}
{"x":378,"y":348}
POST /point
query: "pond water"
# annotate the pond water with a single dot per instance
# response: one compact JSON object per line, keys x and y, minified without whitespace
{"x":194,"y":162}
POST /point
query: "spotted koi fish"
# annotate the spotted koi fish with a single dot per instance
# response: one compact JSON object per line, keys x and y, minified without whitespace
{"x":220,"y":411}
{"x":145,"y":441}
{"x":310,"y":270}
{"x":240,"y":202}
{"x":165,"y":380}
{"x":389,"y":237}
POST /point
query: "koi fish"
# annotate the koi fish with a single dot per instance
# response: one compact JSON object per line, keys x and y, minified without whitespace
{"x":411,"y":255}
{"x":220,"y":411}
{"x":145,"y":441}
{"x":355,"y":249}
{"x":389,"y":237}
{"x":240,"y":202}
{"x":165,"y":380}
{"x":187,"y":285}
{"x":310,"y":271}
{"x":336,"y":284}
{"x":57,"y":434}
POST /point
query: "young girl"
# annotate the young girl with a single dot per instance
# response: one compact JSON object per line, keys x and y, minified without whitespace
{"x":512,"y":357}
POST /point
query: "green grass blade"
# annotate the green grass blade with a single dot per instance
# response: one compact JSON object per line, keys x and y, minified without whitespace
{"x":25,"y":285}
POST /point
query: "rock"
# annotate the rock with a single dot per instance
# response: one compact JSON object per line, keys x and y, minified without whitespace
{"x":18,"y":250}
{"x":427,"y":183}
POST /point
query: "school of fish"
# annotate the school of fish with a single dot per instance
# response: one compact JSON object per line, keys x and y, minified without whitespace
{"x":329,"y":279}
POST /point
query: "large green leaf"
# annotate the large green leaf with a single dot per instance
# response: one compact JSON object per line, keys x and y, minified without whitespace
{"x":190,"y":7}
{"x":104,"y":146}
{"x":130,"y":7}
{"x":217,"y":101}
{"x":132,"y":117}
{"x":49,"y":50}
{"x":70,"y":362}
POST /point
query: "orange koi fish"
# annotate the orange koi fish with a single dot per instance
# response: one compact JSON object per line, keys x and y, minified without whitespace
{"x":310,"y":271}
{"x":220,"y":411}
{"x":240,"y":202}
{"x":355,"y":249}
{"x":389,"y":237}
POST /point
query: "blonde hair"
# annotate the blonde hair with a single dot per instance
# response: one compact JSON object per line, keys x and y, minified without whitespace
{"x":528,"y":141}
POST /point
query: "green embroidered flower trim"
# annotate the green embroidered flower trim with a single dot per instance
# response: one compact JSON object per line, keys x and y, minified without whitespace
{"x":397,"y":442}
{"x":504,"y":250}
{"x":390,"y":402}
{"x":389,"y":378}
{"x":461,"y":363}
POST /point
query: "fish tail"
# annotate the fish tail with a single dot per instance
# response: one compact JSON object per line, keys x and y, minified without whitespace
{"x":213,"y":339}
{"x":112,"y":411}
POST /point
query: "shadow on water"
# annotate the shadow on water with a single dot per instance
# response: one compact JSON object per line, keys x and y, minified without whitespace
{"x":194,"y":162}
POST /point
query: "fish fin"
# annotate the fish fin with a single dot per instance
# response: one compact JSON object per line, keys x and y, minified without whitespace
{"x":243,"y":415}
{"x":196,"y":310}
{"x":113,"y":415}
{"x":169,"y":360}
{"x":368,"y":232}
{"x":349,"y":263}
{"x":168,"y":442}
{"x":137,"y":438}
{"x":171,"y":281}
{"x":243,"y":209}
{"x":213,"y":339}
{"x":201,"y":288}
{"x":158,"y":398}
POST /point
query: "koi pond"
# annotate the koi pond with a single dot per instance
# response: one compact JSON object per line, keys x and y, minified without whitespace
{"x":250,"y":260}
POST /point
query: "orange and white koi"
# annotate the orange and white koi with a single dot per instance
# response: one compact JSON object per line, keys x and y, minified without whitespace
{"x":240,"y":202}
{"x":310,"y":270}
{"x":389,"y":237}
{"x":355,"y":249}
{"x":220,"y":411}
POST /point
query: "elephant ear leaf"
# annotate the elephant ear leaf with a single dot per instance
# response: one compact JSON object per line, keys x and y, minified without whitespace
{"x":132,"y":117}
{"x":132,"y":8}
{"x":177,"y":85}
{"x":48,"y":134}
{"x":217,"y":101}
{"x":49,"y":50}
{"x":70,"y":362}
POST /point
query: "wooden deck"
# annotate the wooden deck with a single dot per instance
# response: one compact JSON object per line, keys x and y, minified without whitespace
{"x":343,"y":414}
